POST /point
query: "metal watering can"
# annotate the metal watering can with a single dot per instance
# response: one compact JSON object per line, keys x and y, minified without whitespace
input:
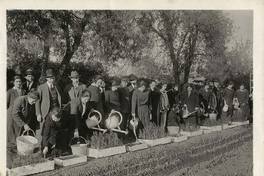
{"x":113,"y":122}
{"x":93,"y":121}
{"x":133,"y":124}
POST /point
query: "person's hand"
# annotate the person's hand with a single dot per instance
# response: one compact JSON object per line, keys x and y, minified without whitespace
{"x":76,"y":134}
{"x":196,"y":108}
{"x":39,"y":118}
{"x":26,"y":127}
{"x":45,"y":151}
{"x":134,"y":116}
{"x":150,"y":116}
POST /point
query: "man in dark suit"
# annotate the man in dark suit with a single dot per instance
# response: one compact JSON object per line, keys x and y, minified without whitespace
{"x":76,"y":112}
{"x":30,"y":83}
{"x":74,"y":89}
{"x":190,"y":99}
{"x":50,"y":97}
{"x":21,"y":118}
{"x":124,"y":101}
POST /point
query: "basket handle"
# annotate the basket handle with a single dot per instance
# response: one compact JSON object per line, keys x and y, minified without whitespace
{"x":80,"y":137}
{"x":100,"y":115}
{"x":121,"y":117}
{"x":23,"y":134}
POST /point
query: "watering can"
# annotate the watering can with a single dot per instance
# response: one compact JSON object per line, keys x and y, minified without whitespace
{"x":186,"y":113}
{"x":113,"y":122}
{"x":133,"y":124}
{"x":93,"y":121}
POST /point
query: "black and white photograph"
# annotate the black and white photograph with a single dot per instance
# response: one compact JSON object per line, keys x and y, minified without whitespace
{"x":114,"y":92}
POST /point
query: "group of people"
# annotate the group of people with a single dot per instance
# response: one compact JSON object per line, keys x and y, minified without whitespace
{"x":60,"y":113}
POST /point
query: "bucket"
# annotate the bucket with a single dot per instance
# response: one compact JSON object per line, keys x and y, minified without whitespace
{"x":94,"y":118}
{"x":213,"y":115}
{"x":26,"y":144}
{"x":79,"y":149}
{"x":114,"y":120}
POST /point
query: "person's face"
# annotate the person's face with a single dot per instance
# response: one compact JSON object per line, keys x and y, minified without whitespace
{"x":216,"y":84}
{"x":18,"y":83}
{"x":189,"y":88}
{"x":134,"y":82}
{"x":230,"y":86}
{"x":31,"y":101}
{"x":152,"y":85}
{"x":242,"y":87}
{"x":99,"y":82}
{"x":142,"y":88}
{"x":51,"y":80}
{"x":206,"y":87}
{"x":29,"y":78}
{"x":124,"y":83}
{"x":85,"y":99}
{"x":176,"y":88}
{"x":114,"y":88}
{"x":164,"y":87}
{"x":75,"y":80}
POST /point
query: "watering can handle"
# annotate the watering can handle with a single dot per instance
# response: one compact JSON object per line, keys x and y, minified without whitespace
{"x":100,"y":115}
{"x":79,"y":138}
{"x":121,"y":117}
{"x":28,"y":132}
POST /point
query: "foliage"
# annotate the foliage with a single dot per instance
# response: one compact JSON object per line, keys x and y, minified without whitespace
{"x":101,"y":141}
{"x":27,"y":160}
{"x":208,"y":122}
{"x":152,"y":131}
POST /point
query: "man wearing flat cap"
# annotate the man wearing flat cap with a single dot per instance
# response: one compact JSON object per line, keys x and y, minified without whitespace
{"x":50,"y":97}
{"x":30,"y":83}
{"x":74,"y":89}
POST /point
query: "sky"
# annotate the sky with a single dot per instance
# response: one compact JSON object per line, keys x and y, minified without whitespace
{"x":243,"y":24}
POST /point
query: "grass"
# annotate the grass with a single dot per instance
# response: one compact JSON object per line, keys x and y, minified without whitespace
{"x":101,"y":141}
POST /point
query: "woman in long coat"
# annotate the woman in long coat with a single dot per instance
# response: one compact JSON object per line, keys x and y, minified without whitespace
{"x":141,"y":102}
{"x":242,"y":96}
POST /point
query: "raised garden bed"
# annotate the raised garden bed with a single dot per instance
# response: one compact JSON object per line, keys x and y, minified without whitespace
{"x":241,"y":123}
{"x":136,"y":146}
{"x":153,"y":135}
{"x":179,"y":138}
{"x":103,"y":145}
{"x":226,"y":126}
{"x":70,"y":160}
{"x":159,"y":141}
{"x":27,"y":165}
{"x":192,"y":133}
{"x":100,"y":153}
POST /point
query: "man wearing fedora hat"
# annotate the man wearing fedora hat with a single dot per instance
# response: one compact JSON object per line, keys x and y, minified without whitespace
{"x":50,"y":97}
{"x":74,"y":89}
{"x":30,"y":83}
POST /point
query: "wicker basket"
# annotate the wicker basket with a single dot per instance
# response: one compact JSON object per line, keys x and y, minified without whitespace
{"x":26,"y":144}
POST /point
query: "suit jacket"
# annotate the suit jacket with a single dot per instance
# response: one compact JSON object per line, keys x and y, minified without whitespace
{"x":43,"y":104}
{"x":71,"y":94}
{"x":124,"y":99}
{"x":18,"y":116}
{"x":12,"y":94}
{"x":27,"y":89}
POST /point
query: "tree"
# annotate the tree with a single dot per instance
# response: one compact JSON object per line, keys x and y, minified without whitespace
{"x":186,"y":36}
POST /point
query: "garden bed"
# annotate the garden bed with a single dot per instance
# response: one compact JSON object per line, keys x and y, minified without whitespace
{"x":70,"y":160}
{"x":154,"y":142}
{"x":136,"y":146}
{"x":32,"y":168}
{"x":192,"y":133}
{"x":99,"y":153}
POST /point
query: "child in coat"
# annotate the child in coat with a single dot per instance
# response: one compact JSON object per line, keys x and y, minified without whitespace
{"x":51,"y":127}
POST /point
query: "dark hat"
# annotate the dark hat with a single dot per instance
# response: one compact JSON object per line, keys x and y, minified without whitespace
{"x":17,"y":77}
{"x":74,"y":74}
{"x":34,"y":94}
{"x":132,"y":77}
{"x":29,"y":72}
{"x":49,"y":73}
